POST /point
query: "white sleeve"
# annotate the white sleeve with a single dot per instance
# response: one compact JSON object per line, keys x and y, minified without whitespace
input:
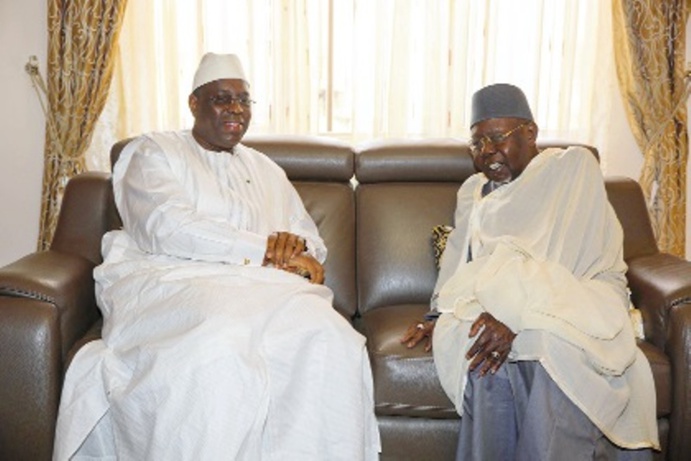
{"x":160,"y":216}
{"x":456,"y":244}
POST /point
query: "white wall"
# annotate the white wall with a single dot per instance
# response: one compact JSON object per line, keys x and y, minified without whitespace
{"x":22,"y":34}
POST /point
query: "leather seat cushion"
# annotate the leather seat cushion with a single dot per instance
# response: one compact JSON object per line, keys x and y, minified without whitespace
{"x":405,"y":380}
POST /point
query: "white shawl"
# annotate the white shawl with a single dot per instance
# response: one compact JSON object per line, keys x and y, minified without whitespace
{"x":547,"y":260}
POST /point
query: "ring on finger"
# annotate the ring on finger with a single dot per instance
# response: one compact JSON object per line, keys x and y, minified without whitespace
{"x":495,"y":355}
{"x":420,"y":326}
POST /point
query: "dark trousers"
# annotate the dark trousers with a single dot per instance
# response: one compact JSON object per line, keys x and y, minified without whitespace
{"x":519,"y":413}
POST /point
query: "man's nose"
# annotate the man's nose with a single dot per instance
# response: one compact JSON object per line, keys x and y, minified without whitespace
{"x":487,"y":148}
{"x":235,"y":106}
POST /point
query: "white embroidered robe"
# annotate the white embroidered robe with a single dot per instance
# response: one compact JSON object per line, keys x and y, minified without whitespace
{"x":205,"y":354}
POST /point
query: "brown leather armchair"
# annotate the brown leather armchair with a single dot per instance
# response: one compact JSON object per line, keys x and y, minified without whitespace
{"x":375,"y":208}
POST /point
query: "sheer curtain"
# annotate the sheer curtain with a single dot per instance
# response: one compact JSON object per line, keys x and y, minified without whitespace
{"x":362,"y":69}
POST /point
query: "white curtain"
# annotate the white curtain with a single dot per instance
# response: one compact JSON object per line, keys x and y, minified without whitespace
{"x":363,"y":69}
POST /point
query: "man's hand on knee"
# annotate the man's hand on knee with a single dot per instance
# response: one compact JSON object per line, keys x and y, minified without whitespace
{"x":491,"y":348}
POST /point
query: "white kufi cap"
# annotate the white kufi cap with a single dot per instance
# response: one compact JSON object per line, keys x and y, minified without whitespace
{"x":216,"y":67}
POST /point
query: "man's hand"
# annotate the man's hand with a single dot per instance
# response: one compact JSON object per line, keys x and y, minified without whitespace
{"x":307,"y":266}
{"x":491,"y":349}
{"x":281,"y":247}
{"x":417,"y":332}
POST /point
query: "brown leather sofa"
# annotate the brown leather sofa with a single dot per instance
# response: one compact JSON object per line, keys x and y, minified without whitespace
{"x":375,"y":207}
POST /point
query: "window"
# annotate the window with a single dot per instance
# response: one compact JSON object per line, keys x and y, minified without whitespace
{"x":363,"y":69}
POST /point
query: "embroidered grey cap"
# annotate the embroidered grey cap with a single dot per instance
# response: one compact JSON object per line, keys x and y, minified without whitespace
{"x":216,"y":67}
{"x":500,"y":100}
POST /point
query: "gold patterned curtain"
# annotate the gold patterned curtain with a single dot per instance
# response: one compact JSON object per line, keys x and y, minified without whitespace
{"x":82,"y":39}
{"x":650,"y":56}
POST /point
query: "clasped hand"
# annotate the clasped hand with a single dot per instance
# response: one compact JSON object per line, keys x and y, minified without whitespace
{"x":286,"y":251}
{"x":489,"y":351}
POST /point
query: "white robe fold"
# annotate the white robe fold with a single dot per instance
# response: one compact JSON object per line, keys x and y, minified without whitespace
{"x":205,"y":354}
{"x":547,"y":261}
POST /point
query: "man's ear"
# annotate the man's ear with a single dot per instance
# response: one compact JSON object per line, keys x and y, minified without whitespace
{"x":531,"y":132}
{"x":192,"y":102}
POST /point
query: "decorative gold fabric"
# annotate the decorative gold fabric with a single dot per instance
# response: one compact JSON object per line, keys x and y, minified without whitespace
{"x":82,"y":39}
{"x":440,"y":234}
{"x":649,"y":51}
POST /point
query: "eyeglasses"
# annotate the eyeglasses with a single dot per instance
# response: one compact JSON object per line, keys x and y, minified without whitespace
{"x":227,"y":100}
{"x":479,"y":145}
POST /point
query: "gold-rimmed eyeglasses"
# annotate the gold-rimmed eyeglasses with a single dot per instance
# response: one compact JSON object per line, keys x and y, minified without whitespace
{"x":478,"y":146}
{"x":228,"y":100}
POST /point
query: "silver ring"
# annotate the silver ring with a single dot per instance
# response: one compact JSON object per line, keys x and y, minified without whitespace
{"x":495,"y":355}
{"x":420,"y":326}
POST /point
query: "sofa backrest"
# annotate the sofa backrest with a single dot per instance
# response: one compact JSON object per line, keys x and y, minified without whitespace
{"x":404,"y":189}
{"x":87,"y":212}
{"x":380,"y":251}
{"x":628,"y":202}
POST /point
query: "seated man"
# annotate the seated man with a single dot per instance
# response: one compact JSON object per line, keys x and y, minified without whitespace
{"x":533,"y":343}
{"x":215,"y":343}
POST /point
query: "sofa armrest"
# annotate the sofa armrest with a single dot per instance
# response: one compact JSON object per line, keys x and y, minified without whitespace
{"x":46,"y":303}
{"x":679,"y":351}
{"x":62,"y":280}
{"x":659,"y":283}
{"x":661,"y":288}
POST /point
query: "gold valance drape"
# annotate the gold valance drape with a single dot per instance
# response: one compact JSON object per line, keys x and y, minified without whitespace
{"x":650,"y":56}
{"x":82,"y":39}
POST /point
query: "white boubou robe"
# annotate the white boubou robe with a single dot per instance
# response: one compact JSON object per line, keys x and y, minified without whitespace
{"x":547,"y":261}
{"x":205,"y":354}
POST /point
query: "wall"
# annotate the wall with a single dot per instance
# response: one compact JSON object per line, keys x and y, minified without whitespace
{"x":22,"y":34}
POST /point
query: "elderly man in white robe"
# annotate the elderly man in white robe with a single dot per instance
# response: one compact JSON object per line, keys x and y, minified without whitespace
{"x":219,"y":340}
{"x":532,"y":339}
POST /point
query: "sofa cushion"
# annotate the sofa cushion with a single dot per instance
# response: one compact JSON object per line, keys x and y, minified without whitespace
{"x":395,"y":264}
{"x":405,"y":380}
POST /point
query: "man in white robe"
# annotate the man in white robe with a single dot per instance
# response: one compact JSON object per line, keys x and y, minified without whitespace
{"x":533,"y":343}
{"x":219,"y":340}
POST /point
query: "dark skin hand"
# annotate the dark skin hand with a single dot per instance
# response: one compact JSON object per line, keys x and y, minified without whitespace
{"x":281,"y":247}
{"x":491,"y":348}
{"x":306,"y":266}
{"x":418,"y":332}
{"x":286,"y":251}
{"x":489,"y":351}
